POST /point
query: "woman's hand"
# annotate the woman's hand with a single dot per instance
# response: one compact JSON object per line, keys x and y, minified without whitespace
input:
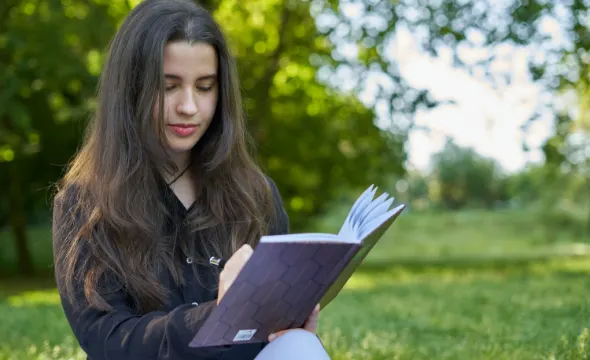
{"x":311,"y":324}
{"x":232,"y":268}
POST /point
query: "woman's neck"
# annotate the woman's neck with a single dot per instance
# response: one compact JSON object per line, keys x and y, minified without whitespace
{"x":182,"y":162}
{"x":182,"y":182}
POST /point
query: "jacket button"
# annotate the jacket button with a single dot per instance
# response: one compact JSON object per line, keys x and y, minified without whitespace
{"x":189,"y":260}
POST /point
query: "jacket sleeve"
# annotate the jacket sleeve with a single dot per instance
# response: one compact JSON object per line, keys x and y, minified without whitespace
{"x":122,"y":334}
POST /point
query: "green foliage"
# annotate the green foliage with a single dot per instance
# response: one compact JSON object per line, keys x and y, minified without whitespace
{"x":308,"y":137}
{"x":311,"y":139}
{"x":365,"y":28}
{"x":48,"y":50}
{"x":49,"y":55}
{"x":528,"y":185}
{"x":559,"y":198}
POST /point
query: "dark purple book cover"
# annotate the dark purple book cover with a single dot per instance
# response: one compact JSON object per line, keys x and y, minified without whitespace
{"x":277,"y":289}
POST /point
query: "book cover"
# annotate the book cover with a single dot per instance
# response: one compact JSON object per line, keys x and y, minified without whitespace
{"x":287,"y":275}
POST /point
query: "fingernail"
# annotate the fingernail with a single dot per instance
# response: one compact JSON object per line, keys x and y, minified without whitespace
{"x":271,"y":337}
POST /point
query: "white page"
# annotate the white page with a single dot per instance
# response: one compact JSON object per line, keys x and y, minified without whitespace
{"x":361,"y":202}
{"x":378,"y":206}
{"x":374,"y":215}
{"x":375,"y":222}
{"x":367,"y":214}
{"x":357,"y":215}
{"x":346,"y":229}
{"x":303,"y":237}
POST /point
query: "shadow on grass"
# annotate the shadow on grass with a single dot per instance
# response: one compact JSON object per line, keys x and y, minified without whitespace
{"x":10,"y":286}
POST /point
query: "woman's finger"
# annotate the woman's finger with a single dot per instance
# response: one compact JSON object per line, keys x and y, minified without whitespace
{"x":311,"y":324}
{"x":273,"y":336}
{"x":232,"y":268}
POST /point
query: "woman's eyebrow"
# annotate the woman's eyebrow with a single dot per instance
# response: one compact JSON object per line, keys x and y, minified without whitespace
{"x":203,"y":77}
{"x":208,"y":77}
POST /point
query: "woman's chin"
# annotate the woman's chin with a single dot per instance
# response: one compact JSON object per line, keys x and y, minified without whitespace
{"x":182,"y":145}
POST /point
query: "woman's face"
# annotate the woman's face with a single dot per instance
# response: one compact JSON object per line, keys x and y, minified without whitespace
{"x":190,"y":88}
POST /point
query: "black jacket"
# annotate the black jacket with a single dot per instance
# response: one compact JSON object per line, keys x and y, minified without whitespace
{"x":123,"y":334}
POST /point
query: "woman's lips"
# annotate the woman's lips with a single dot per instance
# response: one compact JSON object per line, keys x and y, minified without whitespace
{"x":183,"y":129}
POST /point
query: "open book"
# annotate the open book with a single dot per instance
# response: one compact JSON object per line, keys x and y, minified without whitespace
{"x":287,"y":275}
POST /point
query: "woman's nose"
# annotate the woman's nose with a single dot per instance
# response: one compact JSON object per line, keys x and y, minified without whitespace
{"x":188,"y":104}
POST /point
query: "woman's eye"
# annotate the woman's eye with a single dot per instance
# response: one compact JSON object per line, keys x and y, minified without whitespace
{"x":200,"y":88}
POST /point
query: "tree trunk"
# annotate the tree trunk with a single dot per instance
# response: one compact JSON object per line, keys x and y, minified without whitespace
{"x":17,"y":219}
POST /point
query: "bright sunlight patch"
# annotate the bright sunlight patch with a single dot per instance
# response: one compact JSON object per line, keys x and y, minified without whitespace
{"x":34,"y":298}
{"x":361,"y":281}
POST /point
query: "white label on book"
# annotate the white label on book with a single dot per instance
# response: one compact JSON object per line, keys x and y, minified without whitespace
{"x":244,"y":335}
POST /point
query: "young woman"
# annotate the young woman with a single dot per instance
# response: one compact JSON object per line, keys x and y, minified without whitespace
{"x":164,"y":181}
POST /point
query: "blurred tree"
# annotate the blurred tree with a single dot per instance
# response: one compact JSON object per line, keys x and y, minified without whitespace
{"x":313,"y":140}
{"x":527,"y":186}
{"x":416,"y":192}
{"x":50,"y":56}
{"x":465,"y":178}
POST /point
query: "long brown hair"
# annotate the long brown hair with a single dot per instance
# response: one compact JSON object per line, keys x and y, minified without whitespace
{"x":108,"y":217}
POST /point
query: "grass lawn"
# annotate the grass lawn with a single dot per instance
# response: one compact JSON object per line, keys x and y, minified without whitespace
{"x":469,"y":285}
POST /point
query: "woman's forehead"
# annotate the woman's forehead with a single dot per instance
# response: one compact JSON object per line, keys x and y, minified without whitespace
{"x":188,"y":61}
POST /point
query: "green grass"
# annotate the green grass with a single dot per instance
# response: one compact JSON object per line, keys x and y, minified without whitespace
{"x":521,"y":312}
{"x":451,"y":286}
{"x":427,"y":237}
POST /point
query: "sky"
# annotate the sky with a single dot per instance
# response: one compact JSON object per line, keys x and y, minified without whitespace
{"x":484,"y":117}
